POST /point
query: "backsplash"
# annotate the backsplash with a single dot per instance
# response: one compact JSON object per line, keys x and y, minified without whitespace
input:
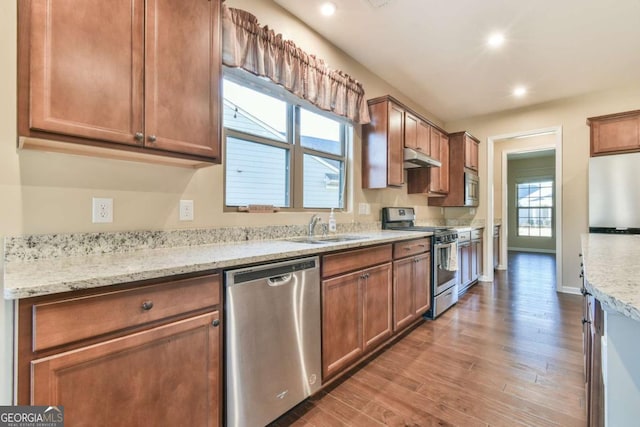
{"x":51,"y":246}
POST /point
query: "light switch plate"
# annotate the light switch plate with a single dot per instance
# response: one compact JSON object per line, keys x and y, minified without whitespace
{"x":102,"y":210}
{"x":364,"y":209}
{"x":186,"y":210}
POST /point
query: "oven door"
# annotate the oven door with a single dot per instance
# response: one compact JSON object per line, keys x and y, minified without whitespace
{"x":443,"y":277}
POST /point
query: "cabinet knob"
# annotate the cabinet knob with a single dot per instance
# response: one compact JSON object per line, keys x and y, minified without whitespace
{"x":152,"y":138}
{"x":139,"y":136}
{"x":216,"y":323}
{"x":147,"y":305}
{"x":585,"y":321}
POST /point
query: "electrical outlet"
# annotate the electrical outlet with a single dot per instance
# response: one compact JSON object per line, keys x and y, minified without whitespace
{"x":186,"y":210}
{"x":364,"y":209}
{"x":472,"y":211}
{"x":102,"y":212}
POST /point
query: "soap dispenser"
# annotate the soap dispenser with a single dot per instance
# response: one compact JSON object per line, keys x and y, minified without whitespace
{"x":332,"y":222}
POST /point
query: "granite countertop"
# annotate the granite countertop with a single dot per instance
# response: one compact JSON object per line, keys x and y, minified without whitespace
{"x":28,"y":278}
{"x":612,"y":271}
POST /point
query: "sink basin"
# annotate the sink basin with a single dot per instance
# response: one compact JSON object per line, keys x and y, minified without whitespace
{"x":326,"y":239}
{"x":339,"y":238}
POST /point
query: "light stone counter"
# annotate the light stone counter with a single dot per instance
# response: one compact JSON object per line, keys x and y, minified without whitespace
{"x":34,"y":277}
{"x":612,"y":271}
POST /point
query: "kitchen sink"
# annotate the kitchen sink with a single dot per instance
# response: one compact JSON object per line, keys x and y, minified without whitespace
{"x":326,"y":239}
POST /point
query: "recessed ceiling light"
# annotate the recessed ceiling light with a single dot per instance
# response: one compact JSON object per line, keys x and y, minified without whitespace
{"x":328,"y":9}
{"x":495,"y":40}
{"x":520,"y":91}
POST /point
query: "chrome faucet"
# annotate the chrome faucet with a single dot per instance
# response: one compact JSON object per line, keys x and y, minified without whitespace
{"x":315,"y":219}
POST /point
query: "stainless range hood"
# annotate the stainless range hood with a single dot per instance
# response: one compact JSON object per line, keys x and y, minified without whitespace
{"x":417,"y":159}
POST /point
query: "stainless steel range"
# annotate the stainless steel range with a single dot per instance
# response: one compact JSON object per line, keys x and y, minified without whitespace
{"x":444,"y":250}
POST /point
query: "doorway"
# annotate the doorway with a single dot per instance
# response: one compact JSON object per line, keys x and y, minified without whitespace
{"x":523,"y":145}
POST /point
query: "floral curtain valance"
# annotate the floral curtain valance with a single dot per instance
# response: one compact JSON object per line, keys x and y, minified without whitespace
{"x":261,"y":51}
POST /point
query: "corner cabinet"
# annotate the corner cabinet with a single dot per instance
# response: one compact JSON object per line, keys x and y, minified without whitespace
{"x":144,"y":81}
{"x":148,"y":354}
{"x":615,"y":133}
{"x":356,"y":305}
{"x":463,"y":159}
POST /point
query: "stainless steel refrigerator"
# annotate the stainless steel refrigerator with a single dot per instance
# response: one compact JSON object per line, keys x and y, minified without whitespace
{"x":614,"y":194}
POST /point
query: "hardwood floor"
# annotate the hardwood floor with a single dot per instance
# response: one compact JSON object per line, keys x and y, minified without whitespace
{"x":509,"y":354}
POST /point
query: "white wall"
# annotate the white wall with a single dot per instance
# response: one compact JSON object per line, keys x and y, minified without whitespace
{"x":571,"y":114}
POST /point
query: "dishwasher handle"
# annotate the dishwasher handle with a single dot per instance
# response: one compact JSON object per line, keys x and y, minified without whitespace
{"x":280,"y":280}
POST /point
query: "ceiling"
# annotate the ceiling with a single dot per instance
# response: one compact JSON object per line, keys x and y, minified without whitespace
{"x":435,"y":52}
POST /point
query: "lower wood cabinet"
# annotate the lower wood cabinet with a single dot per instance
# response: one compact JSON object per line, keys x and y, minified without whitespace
{"x":356,"y":305}
{"x":126,"y":372}
{"x":162,"y":376}
{"x":411,"y":289}
{"x":593,"y":330}
{"x":496,"y":246}
{"x":470,"y":258}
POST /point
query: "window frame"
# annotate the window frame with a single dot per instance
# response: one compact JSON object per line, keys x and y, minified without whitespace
{"x":529,"y":181}
{"x":296,"y":152}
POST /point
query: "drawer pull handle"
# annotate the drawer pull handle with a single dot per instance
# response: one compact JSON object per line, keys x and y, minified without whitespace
{"x":585,"y":321}
{"x":216,"y":323}
{"x":147,"y":305}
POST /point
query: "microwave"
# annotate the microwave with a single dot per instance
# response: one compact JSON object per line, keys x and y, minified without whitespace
{"x":471,"y":189}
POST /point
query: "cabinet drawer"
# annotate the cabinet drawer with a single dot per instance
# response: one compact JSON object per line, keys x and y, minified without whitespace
{"x":70,"y":320}
{"x":344,"y":262}
{"x":411,"y":247}
{"x":464,"y":236}
{"x":476,"y":234}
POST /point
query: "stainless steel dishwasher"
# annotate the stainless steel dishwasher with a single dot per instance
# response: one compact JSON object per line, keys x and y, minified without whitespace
{"x":273,"y":339}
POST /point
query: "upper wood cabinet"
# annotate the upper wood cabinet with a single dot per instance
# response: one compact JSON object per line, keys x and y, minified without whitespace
{"x":382,"y":145}
{"x":463,"y":158}
{"x":615,"y":133}
{"x":393,"y":127}
{"x":417,"y":133}
{"x":432,"y":181}
{"x":145,"y":80}
{"x":470,"y":152}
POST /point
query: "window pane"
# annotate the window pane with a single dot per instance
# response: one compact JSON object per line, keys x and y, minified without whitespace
{"x":323,"y":182}
{"x":249,"y":111}
{"x":535,"y":213}
{"x":320,"y":133}
{"x":256,"y":174}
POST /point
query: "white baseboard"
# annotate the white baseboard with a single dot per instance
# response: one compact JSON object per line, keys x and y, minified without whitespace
{"x":570,"y":290}
{"x":541,"y":251}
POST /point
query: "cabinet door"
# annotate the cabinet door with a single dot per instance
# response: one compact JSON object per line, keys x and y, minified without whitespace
{"x":464,"y":264}
{"x":424,"y":138}
{"x":342,"y":341}
{"x":182,"y":75}
{"x":422,"y":281}
{"x":435,"y":173}
{"x":476,"y":259}
{"x":85,"y":71}
{"x":410,"y":131}
{"x":470,"y":153}
{"x":496,"y":251}
{"x":169,"y":375}
{"x":444,"y":159}
{"x":615,"y":134}
{"x":403,"y":293}
{"x":377,"y":314}
{"x":395,"y":168}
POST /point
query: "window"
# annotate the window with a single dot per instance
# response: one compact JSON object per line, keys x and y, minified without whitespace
{"x":280,"y":153}
{"x":535,"y":208}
